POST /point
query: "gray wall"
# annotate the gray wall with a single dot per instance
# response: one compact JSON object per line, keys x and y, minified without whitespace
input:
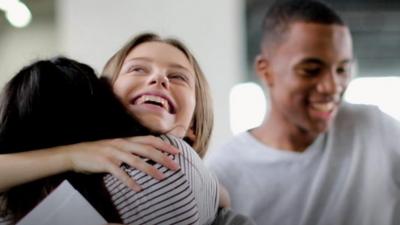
{"x":92,"y":30}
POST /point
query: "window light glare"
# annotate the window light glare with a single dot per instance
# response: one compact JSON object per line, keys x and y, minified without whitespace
{"x":380,"y":91}
{"x":6,"y":4}
{"x":247,"y":106}
{"x":17,"y":13}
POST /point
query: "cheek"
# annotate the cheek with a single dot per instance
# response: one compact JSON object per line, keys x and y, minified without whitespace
{"x":287,"y":90}
{"x":119,"y":93}
{"x":192,"y":103}
{"x":295,"y":93}
{"x":344,"y":82}
{"x":119,"y":88}
{"x":123,"y":88}
{"x":188,"y":109}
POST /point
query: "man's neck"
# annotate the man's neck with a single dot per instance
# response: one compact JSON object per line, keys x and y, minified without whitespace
{"x":273,"y":134}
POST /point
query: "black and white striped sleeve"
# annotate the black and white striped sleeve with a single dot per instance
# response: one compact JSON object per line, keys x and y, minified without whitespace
{"x":186,"y":196}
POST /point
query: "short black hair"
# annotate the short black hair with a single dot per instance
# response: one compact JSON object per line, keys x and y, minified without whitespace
{"x":283,"y":13}
{"x":57,"y":102}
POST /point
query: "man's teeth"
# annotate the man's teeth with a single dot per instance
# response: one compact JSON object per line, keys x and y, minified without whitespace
{"x":324,"y":107}
{"x":146,"y":98}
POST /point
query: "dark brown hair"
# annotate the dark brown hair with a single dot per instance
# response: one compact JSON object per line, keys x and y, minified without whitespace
{"x":58,"y":102}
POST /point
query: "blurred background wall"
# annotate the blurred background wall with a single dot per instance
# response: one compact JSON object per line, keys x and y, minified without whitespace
{"x":92,"y":30}
{"x":223,"y":35}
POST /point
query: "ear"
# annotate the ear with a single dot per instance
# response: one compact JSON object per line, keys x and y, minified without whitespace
{"x":262,"y":68}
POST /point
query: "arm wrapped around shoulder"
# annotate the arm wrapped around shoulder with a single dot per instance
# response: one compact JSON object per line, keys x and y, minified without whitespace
{"x":189,"y":195}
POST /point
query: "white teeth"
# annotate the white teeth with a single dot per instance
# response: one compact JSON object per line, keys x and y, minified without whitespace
{"x":324,"y":107}
{"x":144,"y":98}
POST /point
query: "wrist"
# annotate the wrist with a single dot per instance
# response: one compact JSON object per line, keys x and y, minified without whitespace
{"x":64,"y":158}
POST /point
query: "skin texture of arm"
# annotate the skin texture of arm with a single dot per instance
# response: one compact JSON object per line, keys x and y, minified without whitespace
{"x":88,"y":157}
{"x":20,"y":168}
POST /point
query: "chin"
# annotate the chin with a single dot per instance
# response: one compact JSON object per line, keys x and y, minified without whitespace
{"x":322,"y":127}
{"x":155,"y":126}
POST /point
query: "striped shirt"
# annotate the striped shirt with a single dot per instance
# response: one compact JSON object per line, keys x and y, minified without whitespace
{"x":186,"y":196}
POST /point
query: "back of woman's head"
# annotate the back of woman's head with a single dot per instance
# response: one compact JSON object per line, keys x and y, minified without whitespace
{"x":57,"y":102}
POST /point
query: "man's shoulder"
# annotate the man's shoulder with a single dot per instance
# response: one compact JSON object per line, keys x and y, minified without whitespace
{"x":364,"y":119}
{"x":358,"y":112}
{"x":358,"y":109}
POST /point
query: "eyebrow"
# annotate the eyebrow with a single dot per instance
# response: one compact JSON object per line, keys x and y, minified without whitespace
{"x":319,"y":61}
{"x":311,"y":60}
{"x":174,"y":65}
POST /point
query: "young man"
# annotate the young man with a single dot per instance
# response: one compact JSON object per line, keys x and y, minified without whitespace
{"x":314,"y":159}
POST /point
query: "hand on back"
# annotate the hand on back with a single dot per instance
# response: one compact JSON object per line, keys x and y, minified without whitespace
{"x":108,"y":155}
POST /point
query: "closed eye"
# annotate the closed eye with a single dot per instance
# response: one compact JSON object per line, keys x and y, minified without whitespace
{"x":136,"y":69}
{"x":178,"y":76}
{"x":343,"y":70}
{"x":311,"y":72}
{"x":310,"y":67}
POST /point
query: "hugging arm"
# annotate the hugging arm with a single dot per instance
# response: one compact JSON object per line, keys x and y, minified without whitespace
{"x":189,"y":195}
{"x":104,"y":156}
{"x":63,"y":103}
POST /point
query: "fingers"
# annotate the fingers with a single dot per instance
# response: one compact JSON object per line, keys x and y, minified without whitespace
{"x":146,"y":151}
{"x":140,"y":164}
{"x":156,"y":143}
{"x":107,"y":156}
{"x":112,"y":164}
{"x":123,"y":177}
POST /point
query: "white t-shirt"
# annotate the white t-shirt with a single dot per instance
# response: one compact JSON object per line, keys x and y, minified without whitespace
{"x":349,"y":175}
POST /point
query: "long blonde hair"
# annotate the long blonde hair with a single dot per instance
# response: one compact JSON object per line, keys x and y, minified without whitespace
{"x":203,"y":118}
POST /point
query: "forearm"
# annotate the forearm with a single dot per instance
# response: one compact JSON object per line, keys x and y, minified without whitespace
{"x":19,"y":168}
{"x":103,"y":156}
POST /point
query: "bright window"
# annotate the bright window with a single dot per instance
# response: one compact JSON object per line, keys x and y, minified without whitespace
{"x":383,"y":92}
{"x":247,"y":106}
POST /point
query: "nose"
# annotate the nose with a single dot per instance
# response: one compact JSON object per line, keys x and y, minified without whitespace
{"x":160,"y":79}
{"x":330,"y":84}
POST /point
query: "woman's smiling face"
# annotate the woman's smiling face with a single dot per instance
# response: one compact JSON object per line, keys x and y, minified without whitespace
{"x":157,"y":85}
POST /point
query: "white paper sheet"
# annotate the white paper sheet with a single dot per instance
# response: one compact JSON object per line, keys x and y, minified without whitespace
{"x":63,"y":206}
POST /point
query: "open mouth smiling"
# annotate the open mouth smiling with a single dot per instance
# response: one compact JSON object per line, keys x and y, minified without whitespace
{"x":155,"y":99}
{"x":323,"y":106}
